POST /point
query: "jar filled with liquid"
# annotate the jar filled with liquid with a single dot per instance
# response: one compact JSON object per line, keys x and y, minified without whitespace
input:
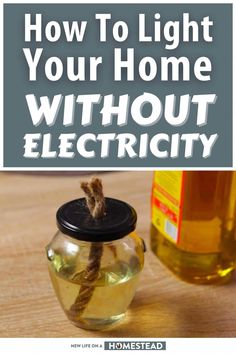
{"x":95,"y":265}
{"x":193,"y":223}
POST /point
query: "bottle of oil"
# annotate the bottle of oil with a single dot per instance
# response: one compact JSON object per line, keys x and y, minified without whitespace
{"x":193,"y":224}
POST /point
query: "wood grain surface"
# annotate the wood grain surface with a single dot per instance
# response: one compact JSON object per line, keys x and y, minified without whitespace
{"x":163,"y":305}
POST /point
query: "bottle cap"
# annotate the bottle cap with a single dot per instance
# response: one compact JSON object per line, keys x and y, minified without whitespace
{"x":74,"y":219}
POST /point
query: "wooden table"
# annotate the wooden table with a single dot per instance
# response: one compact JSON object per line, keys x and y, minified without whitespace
{"x":163,"y":305}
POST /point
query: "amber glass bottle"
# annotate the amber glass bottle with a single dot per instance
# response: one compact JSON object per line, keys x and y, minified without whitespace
{"x":193,"y":223}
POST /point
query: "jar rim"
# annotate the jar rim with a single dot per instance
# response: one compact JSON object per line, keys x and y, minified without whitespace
{"x":75,"y":220}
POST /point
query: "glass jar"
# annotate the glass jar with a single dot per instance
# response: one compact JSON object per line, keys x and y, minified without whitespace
{"x":94,"y":264}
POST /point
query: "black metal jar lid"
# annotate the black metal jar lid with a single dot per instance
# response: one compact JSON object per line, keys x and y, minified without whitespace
{"x":74,"y":219}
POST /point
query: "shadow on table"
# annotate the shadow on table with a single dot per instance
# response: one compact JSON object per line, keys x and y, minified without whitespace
{"x":196,"y":313}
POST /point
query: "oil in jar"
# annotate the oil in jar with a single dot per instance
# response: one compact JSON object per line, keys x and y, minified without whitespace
{"x":112,"y":292}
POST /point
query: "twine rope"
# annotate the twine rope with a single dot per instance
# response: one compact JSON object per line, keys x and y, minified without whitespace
{"x":96,"y":204}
